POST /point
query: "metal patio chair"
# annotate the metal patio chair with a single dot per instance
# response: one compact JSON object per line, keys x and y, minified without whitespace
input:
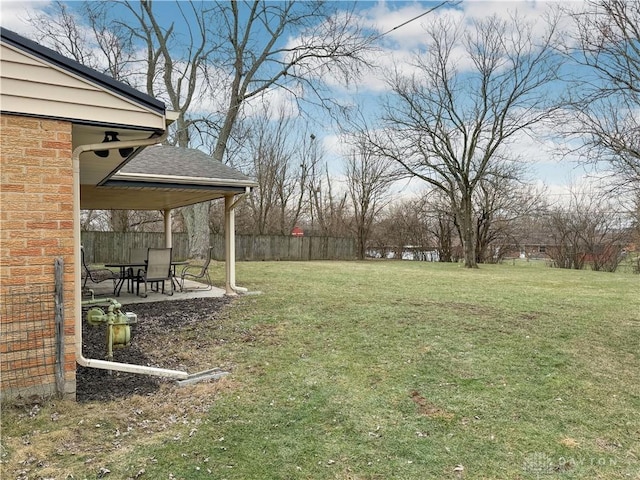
{"x":137,"y":256}
{"x":158,"y":269}
{"x":197,"y":273}
{"x":96,"y":275}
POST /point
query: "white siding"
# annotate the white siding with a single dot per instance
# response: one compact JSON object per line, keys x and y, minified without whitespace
{"x":31,"y":86}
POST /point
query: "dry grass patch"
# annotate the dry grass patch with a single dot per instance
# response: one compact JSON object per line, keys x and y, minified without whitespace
{"x":63,"y":438}
{"x":117,"y":413}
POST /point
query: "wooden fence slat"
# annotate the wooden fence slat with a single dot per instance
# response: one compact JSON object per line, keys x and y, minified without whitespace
{"x":114,"y":247}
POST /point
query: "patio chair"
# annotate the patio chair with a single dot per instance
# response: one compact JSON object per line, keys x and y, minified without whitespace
{"x":96,"y":275}
{"x":197,"y":273}
{"x":137,"y":256}
{"x":158,"y":269}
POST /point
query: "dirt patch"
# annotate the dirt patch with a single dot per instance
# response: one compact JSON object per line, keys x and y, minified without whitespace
{"x":165,"y":336}
{"x":427,"y":408}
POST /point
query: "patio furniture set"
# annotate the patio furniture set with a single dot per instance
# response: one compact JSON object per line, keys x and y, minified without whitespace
{"x":151,"y":267}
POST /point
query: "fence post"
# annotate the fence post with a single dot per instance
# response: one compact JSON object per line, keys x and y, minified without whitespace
{"x":59,"y":325}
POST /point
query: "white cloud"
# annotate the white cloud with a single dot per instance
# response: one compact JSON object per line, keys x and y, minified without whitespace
{"x":387,"y":18}
{"x":276,"y":99}
{"x":14,"y":15}
{"x":397,"y":49}
{"x":578,"y":186}
{"x":399,"y":46}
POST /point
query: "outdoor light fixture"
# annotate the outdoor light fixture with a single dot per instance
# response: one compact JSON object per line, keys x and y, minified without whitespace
{"x":113,"y":137}
{"x":125,"y":152}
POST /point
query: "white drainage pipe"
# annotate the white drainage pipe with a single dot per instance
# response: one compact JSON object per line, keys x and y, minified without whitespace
{"x":80,"y":358}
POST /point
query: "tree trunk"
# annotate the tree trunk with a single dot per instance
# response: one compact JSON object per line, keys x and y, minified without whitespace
{"x":362,"y":243}
{"x":196,"y":218}
{"x":468,"y":233}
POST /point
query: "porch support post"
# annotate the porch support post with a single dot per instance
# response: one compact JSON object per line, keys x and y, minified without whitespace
{"x":230,"y":203}
{"x":168,"y":239}
{"x":229,"y":244}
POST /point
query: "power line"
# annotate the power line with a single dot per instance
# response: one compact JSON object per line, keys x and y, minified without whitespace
{"x":417,"y":17}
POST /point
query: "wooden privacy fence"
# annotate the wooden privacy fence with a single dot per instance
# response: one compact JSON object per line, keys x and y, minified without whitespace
{"x":113,"y":247}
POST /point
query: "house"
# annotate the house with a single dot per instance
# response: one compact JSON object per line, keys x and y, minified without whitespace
{"x":67,"y":135}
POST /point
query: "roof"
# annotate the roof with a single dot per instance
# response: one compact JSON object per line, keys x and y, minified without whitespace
{"x":164,"y":177}
{"x":76,"y":68}
{"x":174,"y":163}
{"x":155,"y":178}
{"x":37,"y":82}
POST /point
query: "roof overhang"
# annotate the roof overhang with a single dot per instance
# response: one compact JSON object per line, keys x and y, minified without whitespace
{"x":38,"y":82}
{"x":150,"y":196}
{"x":163,"y":177}
{"x":95,"y":169}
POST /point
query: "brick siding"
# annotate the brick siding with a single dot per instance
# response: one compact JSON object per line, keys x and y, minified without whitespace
{"x":36,"y":227}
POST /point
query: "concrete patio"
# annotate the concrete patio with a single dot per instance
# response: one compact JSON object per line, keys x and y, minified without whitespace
{"x":105,"y":290}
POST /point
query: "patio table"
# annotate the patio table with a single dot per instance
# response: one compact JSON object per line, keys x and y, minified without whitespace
{"x":126,"y":265}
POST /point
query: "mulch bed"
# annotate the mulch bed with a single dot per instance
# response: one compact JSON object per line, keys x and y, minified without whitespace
{"x":155,"y":321}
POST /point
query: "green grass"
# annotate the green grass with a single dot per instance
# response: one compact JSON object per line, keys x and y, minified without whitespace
{"x":407,"y":370}
{"x":513,"y":365}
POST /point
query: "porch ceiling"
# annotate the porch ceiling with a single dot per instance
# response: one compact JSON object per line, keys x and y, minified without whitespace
{"x":93,"y":168}
{"x":147,"y":197}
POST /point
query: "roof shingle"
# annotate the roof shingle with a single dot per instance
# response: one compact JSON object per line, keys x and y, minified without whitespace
{"x":181,"y":162}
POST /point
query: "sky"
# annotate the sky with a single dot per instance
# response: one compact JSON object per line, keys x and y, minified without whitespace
{"x":397,"y":47}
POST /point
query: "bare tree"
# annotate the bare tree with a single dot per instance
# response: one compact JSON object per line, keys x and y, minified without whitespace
{"x":253,"y":54}
{"x":587,"y":231}
{"x":442,"y":225}
{"x":272,"y":148}
{"x":369,"y":178}
{"x":176,"y":56}
{"x":448,"y":126}
{"x":606,"y":98}
{"x":233,"y":52}
{"x":108,"y":50}
{"x":327,"y":207}
{"x":565,"y":249}
{"x":253,"y":51}
{"x":91,"y":220}
{"x":94,"y":37}
{"x":498,"y":204}
{"x":402,"y":223}
{"x":635,"y":230}
{"x":60,"y":30}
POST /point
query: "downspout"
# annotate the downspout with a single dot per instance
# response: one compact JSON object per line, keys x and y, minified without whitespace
{"x":80,"y":358}
{"x":230,"y":245}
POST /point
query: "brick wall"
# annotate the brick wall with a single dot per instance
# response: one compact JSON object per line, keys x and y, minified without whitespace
{"x":36,"y":227}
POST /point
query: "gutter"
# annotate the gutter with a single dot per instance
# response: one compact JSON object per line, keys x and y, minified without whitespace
{"x":181,"y":178}
{"x":80,"y":358}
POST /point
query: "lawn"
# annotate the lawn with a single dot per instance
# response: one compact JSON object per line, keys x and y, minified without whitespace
{"x":376,"y":370}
